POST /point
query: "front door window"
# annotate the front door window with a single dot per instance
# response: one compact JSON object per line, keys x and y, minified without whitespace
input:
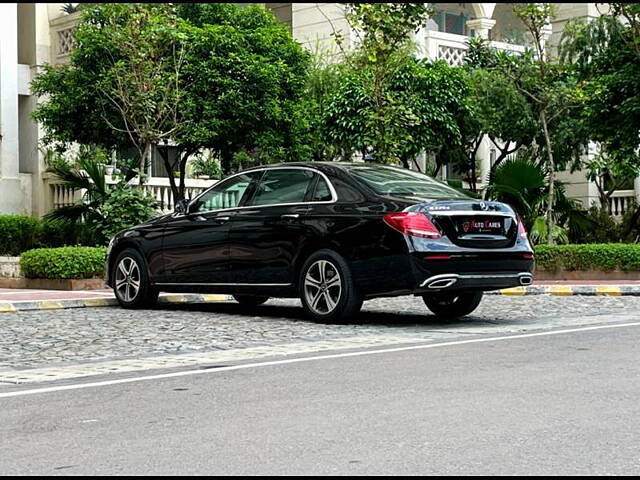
{"x":228,"y":194}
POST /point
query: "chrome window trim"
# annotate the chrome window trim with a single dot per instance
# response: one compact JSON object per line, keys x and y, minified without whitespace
{"x":334,"y":195}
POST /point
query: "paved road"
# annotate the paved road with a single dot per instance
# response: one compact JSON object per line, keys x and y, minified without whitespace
{"x":553,"y":404}
{"x":65,"y":338}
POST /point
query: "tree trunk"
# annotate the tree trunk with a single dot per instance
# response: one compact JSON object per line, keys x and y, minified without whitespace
{"x":552,"y":176}
{"x":437,"y":170}
{"x":415,"y":162}
{"x":472,"y":180}
{"x":504,"y":153}
{"x":226,"y":158}
{"x":168,"y":166}
{"x":183,"y":168}
{"x":143,"y":162}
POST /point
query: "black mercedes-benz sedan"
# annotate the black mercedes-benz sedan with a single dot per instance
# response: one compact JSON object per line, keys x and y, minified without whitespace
{"x":333,"y":234}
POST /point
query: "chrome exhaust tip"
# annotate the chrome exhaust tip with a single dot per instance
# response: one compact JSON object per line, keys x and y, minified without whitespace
{"x":526,"y":280}
{"x":444,"y":283}
{"x":440,"y":281}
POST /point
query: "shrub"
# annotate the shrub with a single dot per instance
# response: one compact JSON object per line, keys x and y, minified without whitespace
{"x":121,"y":208}
{"x":64,"y":262}
{"x":603,"y":256}
{"x":601,"y":228}
{"x":17,"y":234}
{"x":59,"y":233}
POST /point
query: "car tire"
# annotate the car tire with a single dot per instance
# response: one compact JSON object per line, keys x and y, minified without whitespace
{"x":130,"y":280}
{"x":327,"y":289}
{"x":250,"y":300}
{"x":452,"y":305}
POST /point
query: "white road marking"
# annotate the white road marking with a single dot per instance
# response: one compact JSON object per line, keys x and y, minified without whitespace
{"x":307,"y":359}
{"x":216,"y":357}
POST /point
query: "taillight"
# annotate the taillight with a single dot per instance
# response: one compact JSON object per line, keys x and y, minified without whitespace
{"x":522,"y":231}
{"x":412,"y":223}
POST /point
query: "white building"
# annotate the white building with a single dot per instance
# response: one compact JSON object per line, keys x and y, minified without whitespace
{"x":444,"y":37}
{"x":34,"y":34}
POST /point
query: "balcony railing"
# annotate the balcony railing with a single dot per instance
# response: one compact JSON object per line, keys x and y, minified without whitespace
{"x":621,"y":201}
{"x":452,"y":48}
{"x":62,"y":41}
{"x":158,"y":187}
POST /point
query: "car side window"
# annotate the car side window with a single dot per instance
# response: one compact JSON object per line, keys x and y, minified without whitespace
{"x":227,"y":194}
{"x":282,"y":186}
{"x":346,"y":193}
{"x":322,"y":192}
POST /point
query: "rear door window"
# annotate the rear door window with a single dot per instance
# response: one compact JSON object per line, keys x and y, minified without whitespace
{"x":279,"y":186}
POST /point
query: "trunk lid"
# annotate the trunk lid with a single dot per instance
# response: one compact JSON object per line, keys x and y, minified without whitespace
{"x":473,"y":223}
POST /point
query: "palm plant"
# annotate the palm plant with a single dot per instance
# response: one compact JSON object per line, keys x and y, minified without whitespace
{"x":522,"y":182}
{"x":85,"y":174}
{"x":103,"y":209}
{"x":69,"y":7}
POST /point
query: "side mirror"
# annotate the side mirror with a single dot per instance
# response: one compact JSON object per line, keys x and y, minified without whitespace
{"x":182,"y":206}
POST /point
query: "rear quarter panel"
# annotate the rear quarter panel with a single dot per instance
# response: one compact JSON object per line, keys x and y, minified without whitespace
{"x":377,"y":255}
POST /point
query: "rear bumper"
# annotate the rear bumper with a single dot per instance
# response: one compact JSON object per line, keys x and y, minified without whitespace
{"x":471,"y":271}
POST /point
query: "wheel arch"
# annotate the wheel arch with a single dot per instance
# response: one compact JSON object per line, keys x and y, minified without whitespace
{"x":309,"y":249}
{"x":120,"y":247}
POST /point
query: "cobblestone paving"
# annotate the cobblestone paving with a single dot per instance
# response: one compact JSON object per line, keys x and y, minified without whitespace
{"x":74,"y":336}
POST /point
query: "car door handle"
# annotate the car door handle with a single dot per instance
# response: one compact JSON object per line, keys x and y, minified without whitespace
{"x":287,"y":216}
{"x":221,"y":219}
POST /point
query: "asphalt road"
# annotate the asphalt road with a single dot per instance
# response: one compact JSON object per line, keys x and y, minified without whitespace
{"x":563,"y":403}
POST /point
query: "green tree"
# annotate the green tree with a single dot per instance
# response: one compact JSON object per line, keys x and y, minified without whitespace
{"x":551,"y":90}
{"x":499,"y":109}
{"x":428,"y":98}
{"x":322,"y":82}
{"x":245,"y":84}
{"x":606,"y":53}
{"x":215,"y":76}
{"x":383,"y":30}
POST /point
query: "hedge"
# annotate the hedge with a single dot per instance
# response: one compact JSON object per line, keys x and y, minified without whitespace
{"x":18,"y":233}
{"x":595,"y":256}
{"x":64,"y":262}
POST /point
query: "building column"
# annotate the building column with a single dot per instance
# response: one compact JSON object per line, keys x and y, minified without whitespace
{"x":636,"y":187}
{"x":481,"y":26}
{"x":547,"y":30}
{"x":10,"y":192}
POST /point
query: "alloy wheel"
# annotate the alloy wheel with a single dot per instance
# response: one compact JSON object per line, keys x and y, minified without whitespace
{"x":127,"y":279}
{"x":322,"y":287}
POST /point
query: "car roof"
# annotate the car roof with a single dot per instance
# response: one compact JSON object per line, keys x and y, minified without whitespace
{"x":322,"y":166}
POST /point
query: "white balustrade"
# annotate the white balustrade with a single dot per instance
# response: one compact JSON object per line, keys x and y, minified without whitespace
{"x":620,"y":201}
{"x":452,"y":48}
{"x":158,"y":187}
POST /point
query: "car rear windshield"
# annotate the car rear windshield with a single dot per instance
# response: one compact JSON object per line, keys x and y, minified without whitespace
{"x":400,"y":182}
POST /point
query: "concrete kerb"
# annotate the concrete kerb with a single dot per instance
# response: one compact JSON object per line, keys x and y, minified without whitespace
{"x":566,"y":290}
{"x":556,"y":290}
{"x":22,"y":306}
